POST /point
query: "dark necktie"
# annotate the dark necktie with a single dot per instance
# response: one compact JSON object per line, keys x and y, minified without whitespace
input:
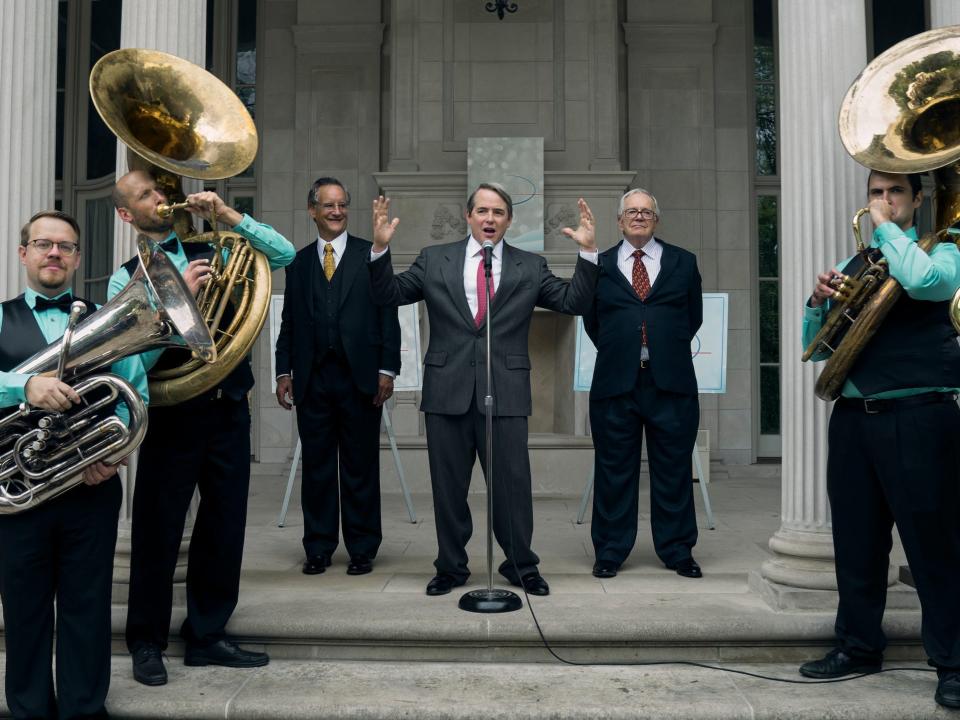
{"x":481,"y":294}
{"x":169,"y":245}
{"x":61,"y":303}
{"x":641,"y":283}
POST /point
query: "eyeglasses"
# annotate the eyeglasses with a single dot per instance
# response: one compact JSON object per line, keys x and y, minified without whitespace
{"x":644,"y":213}
{"x":335,"y":206}
{"x":67,"y":249}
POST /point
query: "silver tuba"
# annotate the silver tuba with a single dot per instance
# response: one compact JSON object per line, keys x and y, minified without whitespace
{"x":44,"y":453}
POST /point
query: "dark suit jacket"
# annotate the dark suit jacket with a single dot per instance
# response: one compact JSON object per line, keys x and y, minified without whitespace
{"x":370,"y":334}
{"x":673,"y":312}
{"x":454,"y":363}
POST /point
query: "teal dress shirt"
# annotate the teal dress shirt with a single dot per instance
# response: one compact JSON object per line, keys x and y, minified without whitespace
{"x":934,"y":277}
{"x":279,"y":251}
{"x":53,"y":323}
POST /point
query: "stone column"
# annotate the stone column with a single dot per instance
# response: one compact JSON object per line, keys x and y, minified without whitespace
{"x":821,"y":189}
{"x":944,"y":13}
{"x":28,"y":56}
{"x":177,"y":27}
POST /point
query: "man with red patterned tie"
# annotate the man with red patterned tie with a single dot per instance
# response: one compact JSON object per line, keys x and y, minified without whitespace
{"x":647,"y":308}
{"x":450,"y":279}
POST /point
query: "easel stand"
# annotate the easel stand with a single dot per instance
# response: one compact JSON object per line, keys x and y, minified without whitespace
{"x":490,"y":599}
{"x":391,"y":436}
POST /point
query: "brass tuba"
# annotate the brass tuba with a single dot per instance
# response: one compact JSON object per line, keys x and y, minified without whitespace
{"x":186,"y":123}
{"x":44,"y":453}
{"x":901,"y":115}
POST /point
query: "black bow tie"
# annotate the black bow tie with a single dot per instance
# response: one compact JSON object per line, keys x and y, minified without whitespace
{"x":61,"y":303}
{"x":169,"y":245}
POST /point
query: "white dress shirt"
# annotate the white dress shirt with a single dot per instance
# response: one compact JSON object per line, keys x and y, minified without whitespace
{"x":339,"y":247}
{"x":652,"y":252}
{"x":473,"y":259}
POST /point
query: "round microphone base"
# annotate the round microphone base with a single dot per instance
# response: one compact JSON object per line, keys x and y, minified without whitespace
{"x":490,"y":601}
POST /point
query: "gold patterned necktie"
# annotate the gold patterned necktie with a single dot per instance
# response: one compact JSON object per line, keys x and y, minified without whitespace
{"x":329,"y":267}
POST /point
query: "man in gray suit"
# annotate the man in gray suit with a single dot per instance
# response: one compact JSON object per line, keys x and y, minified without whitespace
{"x":448,"y":277}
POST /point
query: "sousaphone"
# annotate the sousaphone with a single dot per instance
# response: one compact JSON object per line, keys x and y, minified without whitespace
{"x":901,"y":115}
{"x":185,"y":122}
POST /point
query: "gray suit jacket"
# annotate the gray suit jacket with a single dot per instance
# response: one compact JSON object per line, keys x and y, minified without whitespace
{"x":454,"y":363}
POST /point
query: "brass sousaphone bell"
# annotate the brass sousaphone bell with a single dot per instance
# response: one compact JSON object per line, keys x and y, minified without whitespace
{"x":186,"y":123}
{"x":901,"y":115}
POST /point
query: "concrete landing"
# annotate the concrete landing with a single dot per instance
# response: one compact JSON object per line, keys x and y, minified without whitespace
{"x":427,"y":691}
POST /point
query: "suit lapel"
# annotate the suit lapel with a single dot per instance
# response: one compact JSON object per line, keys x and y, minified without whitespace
{"x":668,"y":263}
{"x":307,"y":275}
{"x":452,"y":271}
{"x":350,"y":263}
{"x":511,"y":270}
{"x":609,"y":260}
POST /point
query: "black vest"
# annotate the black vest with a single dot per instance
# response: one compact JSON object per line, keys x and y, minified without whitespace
{"x":20,"y":335}
{"x":326,"y":312}
{"x":240,"y":381}
{"x":915,"y":346}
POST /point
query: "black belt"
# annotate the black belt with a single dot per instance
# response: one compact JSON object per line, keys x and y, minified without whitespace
{"x":872,"y":406}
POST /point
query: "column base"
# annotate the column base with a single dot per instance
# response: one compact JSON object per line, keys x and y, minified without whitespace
{"x":786,"y":598}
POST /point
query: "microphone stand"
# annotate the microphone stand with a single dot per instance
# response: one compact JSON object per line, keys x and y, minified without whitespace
{"x":489,"y":599}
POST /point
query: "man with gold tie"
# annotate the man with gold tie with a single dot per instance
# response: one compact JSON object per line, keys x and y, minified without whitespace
{"x":337,"y":355}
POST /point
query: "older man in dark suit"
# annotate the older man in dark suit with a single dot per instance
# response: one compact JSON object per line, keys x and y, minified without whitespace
{"x":450,"y":279}
{"x":647,"y":309}
{"x":337,"y":355}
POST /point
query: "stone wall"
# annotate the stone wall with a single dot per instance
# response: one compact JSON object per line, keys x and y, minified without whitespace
{"x":648,"y":92}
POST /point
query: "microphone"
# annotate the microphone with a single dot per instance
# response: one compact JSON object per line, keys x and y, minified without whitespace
{"x":488,"y":256}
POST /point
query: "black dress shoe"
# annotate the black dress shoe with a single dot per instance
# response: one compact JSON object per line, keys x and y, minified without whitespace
{"x":359,"y":565}
{"x":533,"y":583}
{"x":837,"y":663}
{"x":687,"y":568}
{"x":226,"y":653}
{"x":948,"y":689}
{"x":148,"y":666}
{"x":604,"y":570}
{"x":316,"y":564}
{"x":442,"y":583}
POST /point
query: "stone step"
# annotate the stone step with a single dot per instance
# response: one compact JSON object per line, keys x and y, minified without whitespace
{"x":323,"y":689}
{"x":636,"y":616}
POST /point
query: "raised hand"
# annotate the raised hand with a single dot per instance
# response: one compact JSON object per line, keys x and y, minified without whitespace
{"x":383,"y":227}
{"x":206,"y":204}
{"x":584,"y":235}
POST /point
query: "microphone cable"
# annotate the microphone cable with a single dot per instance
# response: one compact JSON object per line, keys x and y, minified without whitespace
{"x":652,"y":663}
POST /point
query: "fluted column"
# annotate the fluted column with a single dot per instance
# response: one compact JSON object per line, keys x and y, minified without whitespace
{"x":177,"y":27}
{"x":28,"y":55}
{"x":944,"y":13}
{"x":821,"y":189}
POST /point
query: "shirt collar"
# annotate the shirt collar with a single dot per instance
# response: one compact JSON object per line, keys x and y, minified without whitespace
{"x":339,"y":244}
{"x":475,"y":248}
{"x":652,"y":248}
{"x":30,"y":296}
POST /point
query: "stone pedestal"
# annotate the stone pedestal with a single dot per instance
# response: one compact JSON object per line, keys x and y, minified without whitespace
{"x":822,"y":188}
{"x":28,"y":53}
